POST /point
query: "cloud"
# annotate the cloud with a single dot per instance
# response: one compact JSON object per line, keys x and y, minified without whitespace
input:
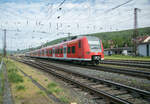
{"x":40,"y":21}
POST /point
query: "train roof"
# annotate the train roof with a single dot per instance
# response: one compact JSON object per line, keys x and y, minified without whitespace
{"x":66,"y":41}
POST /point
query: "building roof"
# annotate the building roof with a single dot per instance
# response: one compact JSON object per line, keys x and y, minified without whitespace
{"x":142,"y":39}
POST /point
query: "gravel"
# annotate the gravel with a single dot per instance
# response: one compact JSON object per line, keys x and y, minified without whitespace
{"x":143,"y":84}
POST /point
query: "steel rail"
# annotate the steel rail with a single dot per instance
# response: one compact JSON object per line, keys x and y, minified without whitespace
{"x":130,"y":89}
{"x":128,"y":61}
{"x":127,"y":64}
{"x":131,"y":72}
{"x":111,"y":98}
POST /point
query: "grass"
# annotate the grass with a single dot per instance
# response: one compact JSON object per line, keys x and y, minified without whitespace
{"x":13,"y":76}
{"x":0,"y":59}
{"x":2,"y":86}
{"x":52,"y":88}
{"x":20,"y":87}
{"x":52,"y":85}
{"x":23,"y":89}
{"x":40,"y":92}
{"x":123,"y":57}
{"x":64,"y":99}
{"x":46,"y":79}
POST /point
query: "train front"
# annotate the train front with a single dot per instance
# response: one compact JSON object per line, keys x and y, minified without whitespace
{"x":96,"y":49}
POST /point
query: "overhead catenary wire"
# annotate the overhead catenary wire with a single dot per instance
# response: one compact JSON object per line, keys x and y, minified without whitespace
{"x":109,"y":10}
{"x":56,"y":8}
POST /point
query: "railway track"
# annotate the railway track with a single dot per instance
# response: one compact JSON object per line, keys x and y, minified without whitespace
{"x":127,"y":63}
{"x":131,"y":72}
{"x":115,"y":93}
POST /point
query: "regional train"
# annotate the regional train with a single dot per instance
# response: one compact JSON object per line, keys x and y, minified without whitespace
{"x":81,"y":49}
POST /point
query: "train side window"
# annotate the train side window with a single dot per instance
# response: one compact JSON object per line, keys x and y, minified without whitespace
{"x":79,"y":43}
{"x":73,"y":49}
{"x":55,"y":51}
{"x":65,"y":50}
{"x":42,"y":52}
{"x":61,"y":50}
{"x":58,"y":51}
{"x":46,"y":52}
{"x":49,"y":51}
{"x":68,"y":51}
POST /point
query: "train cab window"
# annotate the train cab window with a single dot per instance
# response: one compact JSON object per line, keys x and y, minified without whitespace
{"x":79,"y":43}
{"x":73,"y":49}
{"x":68,"y":51}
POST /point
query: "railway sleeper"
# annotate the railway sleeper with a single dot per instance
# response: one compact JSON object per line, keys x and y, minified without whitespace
{"x":81,"y":86}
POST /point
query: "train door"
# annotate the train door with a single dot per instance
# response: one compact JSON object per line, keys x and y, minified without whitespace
{"x":53,"y":52}
{"x":65,"y":51}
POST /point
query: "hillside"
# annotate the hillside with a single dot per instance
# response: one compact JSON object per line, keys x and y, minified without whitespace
{"x":120,"y":38}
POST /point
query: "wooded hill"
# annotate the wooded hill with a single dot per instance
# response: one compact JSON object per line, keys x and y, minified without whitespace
{"x":119,"y":38}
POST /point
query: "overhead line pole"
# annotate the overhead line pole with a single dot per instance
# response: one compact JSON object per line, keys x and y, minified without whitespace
{"x":4,"y":49}
{"x":135,"y":32}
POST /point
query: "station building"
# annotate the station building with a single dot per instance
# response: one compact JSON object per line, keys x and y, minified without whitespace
{"x":144,"y":49}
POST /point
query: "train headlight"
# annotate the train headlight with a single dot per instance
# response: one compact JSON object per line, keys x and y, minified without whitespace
{"x":96,"y":57}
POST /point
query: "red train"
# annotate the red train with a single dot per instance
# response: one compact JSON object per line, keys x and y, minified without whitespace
{"x":81,"y":49}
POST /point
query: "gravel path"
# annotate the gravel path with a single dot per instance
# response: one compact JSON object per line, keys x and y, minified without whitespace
{"x":1,"y":72}
{"x":143,"y":84}
{"x":7,"y":98}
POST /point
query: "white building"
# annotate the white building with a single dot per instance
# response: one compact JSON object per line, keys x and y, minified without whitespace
{"x":144,"y":49}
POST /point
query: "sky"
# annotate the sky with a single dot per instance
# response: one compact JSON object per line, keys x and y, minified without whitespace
{"x":30,"y":23}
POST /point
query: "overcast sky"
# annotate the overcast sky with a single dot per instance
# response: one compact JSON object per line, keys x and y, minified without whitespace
{"x":31,"y":23}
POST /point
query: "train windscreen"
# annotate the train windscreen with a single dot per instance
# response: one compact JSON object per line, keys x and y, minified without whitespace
{"x":94,"y":43}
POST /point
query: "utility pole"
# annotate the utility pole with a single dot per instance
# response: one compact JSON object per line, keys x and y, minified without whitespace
{"x":69,"y":36}
{"x":4,"y":48}
{"x":4,"y":41}
{"x":135,"y":33}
